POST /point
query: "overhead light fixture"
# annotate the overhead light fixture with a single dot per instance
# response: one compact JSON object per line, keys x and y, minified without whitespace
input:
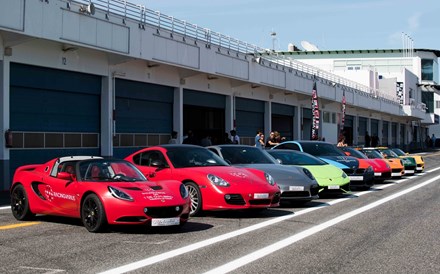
{"x":67,"y":48}
{"x":89,"y":9}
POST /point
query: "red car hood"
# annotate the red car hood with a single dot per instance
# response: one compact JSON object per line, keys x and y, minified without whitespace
{"x":235,"y":176}
{"x":151,"y":192}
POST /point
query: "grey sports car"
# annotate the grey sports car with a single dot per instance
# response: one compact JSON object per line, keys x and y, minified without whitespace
{"x":297,"y":184}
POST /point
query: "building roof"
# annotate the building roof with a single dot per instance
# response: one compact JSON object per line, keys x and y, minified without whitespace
{"x":356,"y":51}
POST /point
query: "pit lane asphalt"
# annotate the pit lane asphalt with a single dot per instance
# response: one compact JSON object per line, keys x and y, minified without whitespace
{"x":398,"y":232}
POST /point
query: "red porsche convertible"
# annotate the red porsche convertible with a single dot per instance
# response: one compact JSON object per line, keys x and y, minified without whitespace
{"x":99,"y":191}
{"x":212,"y":183}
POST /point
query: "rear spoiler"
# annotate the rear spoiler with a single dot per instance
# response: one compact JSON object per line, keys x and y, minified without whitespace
{"x":27,"y":168}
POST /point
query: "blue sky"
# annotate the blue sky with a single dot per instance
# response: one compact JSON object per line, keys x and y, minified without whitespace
{"x":330,"y":25}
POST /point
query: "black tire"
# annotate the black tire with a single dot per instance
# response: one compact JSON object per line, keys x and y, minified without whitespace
{"x":196,"y":198}
{"x":20,"y":204}
{"x":93,"y":214}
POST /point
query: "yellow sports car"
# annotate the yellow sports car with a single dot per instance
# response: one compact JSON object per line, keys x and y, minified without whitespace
{"x":419,"y":159}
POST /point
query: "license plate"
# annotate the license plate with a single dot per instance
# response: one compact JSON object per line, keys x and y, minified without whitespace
{"x":261,"y":195}
{"x":378,"y":174}
{"x":165,"y":221}
{"x":333,"y":187}
{"x":396,"y":174}
{"x":356,"y":178}
{"x":296,"y":188}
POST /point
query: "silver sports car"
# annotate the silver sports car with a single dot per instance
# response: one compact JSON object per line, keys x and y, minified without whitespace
{"x":296,"y":184}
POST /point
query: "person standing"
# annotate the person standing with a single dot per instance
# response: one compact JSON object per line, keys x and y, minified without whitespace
{"x":257,"y":137}
{"x":367,"y":139}
{"x":341,"y":142}
{"x":191,"y":139}
{"x":260,"y":143}
{"x":271,"y":140}
{"x":206,"y":141}
{"x":173,"y":139}
{"x":234,"y":137}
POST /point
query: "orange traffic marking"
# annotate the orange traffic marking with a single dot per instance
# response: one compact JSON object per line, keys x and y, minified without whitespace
{"x":3,"y":227}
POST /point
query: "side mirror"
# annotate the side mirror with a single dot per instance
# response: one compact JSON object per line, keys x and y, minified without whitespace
{"x":159,"y":164}
{"x":64,"y":176}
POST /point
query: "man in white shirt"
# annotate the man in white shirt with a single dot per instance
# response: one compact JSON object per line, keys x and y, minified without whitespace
{"x":234,"y":137}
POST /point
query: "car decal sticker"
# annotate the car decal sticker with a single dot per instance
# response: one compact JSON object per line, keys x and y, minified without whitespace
{"x":156,"y":195}
{"x":50,"y":194}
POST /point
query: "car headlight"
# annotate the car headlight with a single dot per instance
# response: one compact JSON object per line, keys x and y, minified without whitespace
{"x":183,"y":191}
{"x":344,"y":175}
{"x":387,"y":165}
{"x":120,"y":194}
{"x":217,"y":180}
{"x":269,"y":179}
{"x":421,"y":159}
{"x":406,"y":161}
{"x":308,"y":173}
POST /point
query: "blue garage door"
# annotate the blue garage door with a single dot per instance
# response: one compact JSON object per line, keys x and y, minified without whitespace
{"x":249,"y":117}
{"x":282,"y":119}
{"x":52,"y":113}
{"x":144,"y":115}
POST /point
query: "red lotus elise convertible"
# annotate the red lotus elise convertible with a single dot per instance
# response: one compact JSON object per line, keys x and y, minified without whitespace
{"x":99,"y":191}
{"x":211,"y":182}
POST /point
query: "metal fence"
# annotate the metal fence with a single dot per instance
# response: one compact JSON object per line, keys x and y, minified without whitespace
{"x":143,"y":16}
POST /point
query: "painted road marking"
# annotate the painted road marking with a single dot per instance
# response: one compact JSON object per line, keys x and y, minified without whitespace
{"x":309,"y":232}
{"x":4,"y":227}
{"x":211,"y":241}
{"x":46,"y":270}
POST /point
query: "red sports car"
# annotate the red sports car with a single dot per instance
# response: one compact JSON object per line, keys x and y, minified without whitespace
{"x":99,"y":191}
{"x":212,"y":183}
{"x":382,"y":171}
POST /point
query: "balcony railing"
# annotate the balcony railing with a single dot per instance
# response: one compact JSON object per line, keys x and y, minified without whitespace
{"x":143,"y":15}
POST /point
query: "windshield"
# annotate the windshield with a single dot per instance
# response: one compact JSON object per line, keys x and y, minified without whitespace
{"x":242,"y":155}
{"x":108,"y":170}
{"x":191,"y":156}
{"x":388,"y":153}
{"x":399,"y":152}
{"x":373,"y":154}
{"x":321,"y":149}
{"x":354,"y":153}
{"x":296,"y":158}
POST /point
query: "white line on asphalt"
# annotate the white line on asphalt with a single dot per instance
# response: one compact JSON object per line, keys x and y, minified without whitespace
{"x":204,"y":243}
{"x":311,"y":231}
{"x":46,"y":270}
{"x":5,"y":207}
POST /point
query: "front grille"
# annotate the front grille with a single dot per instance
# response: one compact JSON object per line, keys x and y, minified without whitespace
{"x":360,"y":171}
{"x":314,"y":191}
{"x":235,"y":199}
{"x":163,"y":212}
{"x":294,"y":194}
{"x":348,"y":171}
{"x":394,"y":170}
{"x":276,"y":198}
{"x":385,"y":175}
{"x":260,"y":202}
{"x":132,"y":219}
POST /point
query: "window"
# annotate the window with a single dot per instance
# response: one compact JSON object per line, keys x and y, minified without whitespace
{"x":437,"y":104}
{"x":427,"y":69}
{"x":326,"y":117}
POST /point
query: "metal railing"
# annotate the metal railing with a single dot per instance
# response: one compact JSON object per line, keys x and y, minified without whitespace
{"x":143,"y":15}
